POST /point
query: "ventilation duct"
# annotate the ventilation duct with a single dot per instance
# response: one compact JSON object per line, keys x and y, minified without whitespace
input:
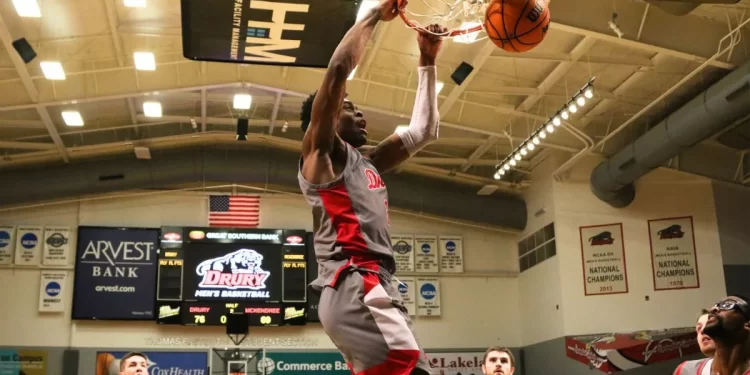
{"x":724,"y":103}
{"x":244,"y":165}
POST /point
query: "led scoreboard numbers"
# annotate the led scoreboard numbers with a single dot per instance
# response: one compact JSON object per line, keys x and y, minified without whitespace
{"x":214,"y":314}
{"x":205,"y":274}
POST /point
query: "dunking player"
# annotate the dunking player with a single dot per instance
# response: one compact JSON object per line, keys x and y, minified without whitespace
{"x":728,"y":325}
{"x":360,"y":309}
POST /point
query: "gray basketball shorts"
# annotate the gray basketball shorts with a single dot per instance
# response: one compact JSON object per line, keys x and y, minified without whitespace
{"x":364,"y":316}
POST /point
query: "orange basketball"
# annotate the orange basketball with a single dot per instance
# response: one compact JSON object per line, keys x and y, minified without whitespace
{"x":517,"y":25}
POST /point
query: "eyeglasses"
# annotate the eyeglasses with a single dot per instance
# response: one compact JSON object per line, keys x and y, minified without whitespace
{"x":730,"y":304}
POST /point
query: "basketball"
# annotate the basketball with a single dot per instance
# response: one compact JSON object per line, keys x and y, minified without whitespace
{"x":517,"y":25}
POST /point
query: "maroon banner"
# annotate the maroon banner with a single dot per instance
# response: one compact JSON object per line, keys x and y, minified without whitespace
{"x":611,"y":353}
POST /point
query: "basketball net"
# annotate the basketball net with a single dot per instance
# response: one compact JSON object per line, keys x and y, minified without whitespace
{"x":464,"y":19}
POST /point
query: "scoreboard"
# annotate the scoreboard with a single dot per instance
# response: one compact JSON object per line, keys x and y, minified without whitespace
{"x":204,"y":274}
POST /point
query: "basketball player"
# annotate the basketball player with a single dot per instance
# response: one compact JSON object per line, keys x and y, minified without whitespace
{"x":705,"y":343}
{"x":498,"y":361}
{"x":133,"y":363}
{"x":360,"y":308}
{"x":728,"y":325}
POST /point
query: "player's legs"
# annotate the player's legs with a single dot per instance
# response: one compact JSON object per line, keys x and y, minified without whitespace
{"x":364,"y":319}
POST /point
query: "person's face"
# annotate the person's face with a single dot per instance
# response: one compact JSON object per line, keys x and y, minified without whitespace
{"x":135,"y":365}
{"x":352,"y":124}
{"x":706,"y":344}
{"x":729,"y":317}
{"x":497,"y":363}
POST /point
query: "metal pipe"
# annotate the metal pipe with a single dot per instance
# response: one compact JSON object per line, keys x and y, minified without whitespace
{"x":572,"y":161}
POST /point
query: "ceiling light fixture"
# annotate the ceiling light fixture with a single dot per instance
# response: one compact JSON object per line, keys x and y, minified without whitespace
{"x":27,"y":8}
{"x":152,"y":109}
{"x":52,"y":70}
{"x":242,"y":101}
{"x":72,"y":118}
{"x":529,"y":144}
{"x":144,"y":60}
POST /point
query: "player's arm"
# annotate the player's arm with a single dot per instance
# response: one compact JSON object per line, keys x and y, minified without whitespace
{"x":425,"y":119}
{"x":320,"y":137}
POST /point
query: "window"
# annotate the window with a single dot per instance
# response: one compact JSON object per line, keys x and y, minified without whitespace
{"x":537,"y":247}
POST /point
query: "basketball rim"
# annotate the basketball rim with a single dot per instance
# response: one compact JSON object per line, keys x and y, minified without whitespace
{"x":464,"y":19}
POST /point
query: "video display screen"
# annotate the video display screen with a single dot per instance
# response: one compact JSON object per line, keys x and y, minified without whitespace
{"x":232,"y":272}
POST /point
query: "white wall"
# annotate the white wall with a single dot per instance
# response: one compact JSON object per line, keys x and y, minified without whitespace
{"x":660,"y":194}
{"x":472,"y":306}
{"x":539,"y":287}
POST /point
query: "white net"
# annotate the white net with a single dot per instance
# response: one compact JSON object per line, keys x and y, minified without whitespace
{"x":464,"y":19}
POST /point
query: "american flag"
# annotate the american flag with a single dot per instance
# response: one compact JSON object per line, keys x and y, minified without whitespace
{"x":234,"y":211}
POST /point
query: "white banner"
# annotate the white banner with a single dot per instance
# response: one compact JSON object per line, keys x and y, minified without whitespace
{"x":451,"y":254}
{"x":428,"y":297}
{"x":603,"y":253}
{"x":673,"y":258}
{"x":426,"y":254}
{"x":407,"y":289}
{"x":7,"y":244}
{"x":457,"y":363}
{"x":29,"y":245}
{"x":403,"y":252}
{"x":52,"y":291}
{"x":56,"y":246}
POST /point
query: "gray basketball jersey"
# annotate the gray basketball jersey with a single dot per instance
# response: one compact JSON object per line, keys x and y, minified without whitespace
{"x":696,"y":367}
{"x":352,"y":219}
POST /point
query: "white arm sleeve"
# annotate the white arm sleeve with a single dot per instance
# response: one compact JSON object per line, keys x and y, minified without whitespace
{"x":425,"y":119}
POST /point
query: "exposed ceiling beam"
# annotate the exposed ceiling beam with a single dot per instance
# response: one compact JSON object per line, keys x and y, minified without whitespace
{"x":370,"y":58}
{"x":477,"y":63}
{"x":109,"y":9}
{"x":21,"y":124}
{"x":562,"y":57}
{"x":275,"y":112}
{"x":204,"y":110}
{"x":559,"y":72}
{"x":639,"y":45}
{"x":478,"y":152}
{"x":31,"y":90}
{"x":27,"y":145}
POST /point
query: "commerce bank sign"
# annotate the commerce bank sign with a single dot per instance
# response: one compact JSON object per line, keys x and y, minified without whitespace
{"x":288,"y":363}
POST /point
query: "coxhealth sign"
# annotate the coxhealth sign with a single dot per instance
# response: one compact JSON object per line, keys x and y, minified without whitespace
{"x":159,"y":363}
{"x":303,"y":363}
{"x":115,"y":273}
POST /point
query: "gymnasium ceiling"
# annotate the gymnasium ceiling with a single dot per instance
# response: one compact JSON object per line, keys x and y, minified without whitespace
{"x":506,"y":97}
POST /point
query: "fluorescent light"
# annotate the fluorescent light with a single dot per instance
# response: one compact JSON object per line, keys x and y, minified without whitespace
{"x":242,"y":101}
{"x":401,"y":129}
{"x":439,"y":86}
{"x":365,"y":7}
{"x":152,"y":109}
{"x":470,"y":37}
{"x":72,"y":118}
{"x":351,"y":75}
{"x":53,"y":70}
{"x":27,"y":8}
{"x":135,"y":3}
{"x":144,"y":61}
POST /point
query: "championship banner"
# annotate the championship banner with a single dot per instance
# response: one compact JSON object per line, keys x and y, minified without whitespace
{"x":625,"y":351}
{"x":29,"y":245}
{"x":193,"y":363}
{"x":115,"y":273}
{"x":278,"y":32}
{"x":459,"y":363}
{"x":673,"y":259}
{"x":603,"y":253}
{"x":52,"y":291}
{"x":302,"y":363}
{"x":407,"y":288}
{"x":56,"y":246}
{"x":428,"y":300}
{"x":7,"y":244}
{"x":403,"y":252}
{"x":426,"y":254}
{"x":451,"y":254}
{"x":26,"y":362}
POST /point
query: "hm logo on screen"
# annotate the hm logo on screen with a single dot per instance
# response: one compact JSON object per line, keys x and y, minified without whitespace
{"x":262,"y":38}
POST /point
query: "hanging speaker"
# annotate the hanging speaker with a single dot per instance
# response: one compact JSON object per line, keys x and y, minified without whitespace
{"x":461,"y":73}
{"x":238,"y":324}
{"x":24,"y":50}
{"x":242,"y":126}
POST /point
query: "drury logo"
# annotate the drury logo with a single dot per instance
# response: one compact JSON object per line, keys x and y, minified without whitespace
{"x":238,"y":270}
{"x":672,"y":231}
{"x":603,"y":238}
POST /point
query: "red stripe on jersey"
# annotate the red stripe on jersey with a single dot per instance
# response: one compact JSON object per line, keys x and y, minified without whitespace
{"x":338,"y":206}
